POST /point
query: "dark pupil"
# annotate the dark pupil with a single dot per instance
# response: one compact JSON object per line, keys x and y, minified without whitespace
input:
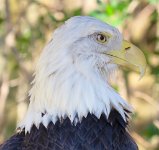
{"x":101,"y":37}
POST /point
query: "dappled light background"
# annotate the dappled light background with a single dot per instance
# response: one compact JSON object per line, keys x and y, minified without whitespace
{"x":27,"y":25}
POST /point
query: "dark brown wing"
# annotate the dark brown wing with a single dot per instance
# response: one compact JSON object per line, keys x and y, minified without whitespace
{"x":14,"y":143}
{"x":90,"y":134}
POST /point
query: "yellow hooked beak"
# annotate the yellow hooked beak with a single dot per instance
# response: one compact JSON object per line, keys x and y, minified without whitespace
{"x":130,"y":56}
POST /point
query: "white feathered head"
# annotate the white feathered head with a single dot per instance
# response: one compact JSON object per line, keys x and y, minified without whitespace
{"x":71,"y":75}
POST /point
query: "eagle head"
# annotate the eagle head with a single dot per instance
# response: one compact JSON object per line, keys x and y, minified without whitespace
{"x":71,"y":77}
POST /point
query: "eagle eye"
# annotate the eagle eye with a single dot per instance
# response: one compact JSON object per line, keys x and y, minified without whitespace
{"x":101,"y":38}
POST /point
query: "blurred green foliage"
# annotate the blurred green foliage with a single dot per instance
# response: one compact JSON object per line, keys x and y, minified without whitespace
{"x":114,"y":12}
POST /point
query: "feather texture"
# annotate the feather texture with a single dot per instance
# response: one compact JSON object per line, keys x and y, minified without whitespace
{"x":91,"y":134}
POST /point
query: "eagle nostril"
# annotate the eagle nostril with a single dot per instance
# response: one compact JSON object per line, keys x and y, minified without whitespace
{"x":127,"y":48}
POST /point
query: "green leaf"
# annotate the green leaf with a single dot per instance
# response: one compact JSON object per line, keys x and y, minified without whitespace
{"x":109,"y":10}
{"x":152,"y":1}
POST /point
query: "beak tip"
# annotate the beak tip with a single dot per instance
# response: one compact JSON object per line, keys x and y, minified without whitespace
{"x":142,"y":72}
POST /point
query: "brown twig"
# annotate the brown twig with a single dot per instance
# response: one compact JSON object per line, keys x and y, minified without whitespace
{"x":4,"y":90}
{"x":146,"y":98}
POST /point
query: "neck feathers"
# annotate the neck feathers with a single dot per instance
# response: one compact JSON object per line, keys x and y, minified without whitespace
{"x":62,"y":89}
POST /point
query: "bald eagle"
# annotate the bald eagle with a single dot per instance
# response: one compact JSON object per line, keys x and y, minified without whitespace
{"x":72,"y":105}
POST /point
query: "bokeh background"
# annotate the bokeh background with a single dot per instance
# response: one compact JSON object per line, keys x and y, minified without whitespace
{"x":26,"y":26}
